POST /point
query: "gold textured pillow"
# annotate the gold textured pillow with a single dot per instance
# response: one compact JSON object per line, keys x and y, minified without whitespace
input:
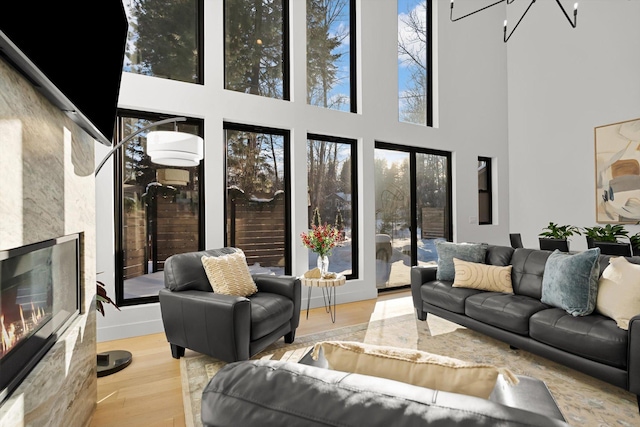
{"x":482,"y":276}
{"x":229,"y":274}
{"x":619,"y":291}
{"x":413,"y":367}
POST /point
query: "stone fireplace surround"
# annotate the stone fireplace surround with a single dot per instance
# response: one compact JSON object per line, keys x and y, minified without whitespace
{"x":47,"y":190}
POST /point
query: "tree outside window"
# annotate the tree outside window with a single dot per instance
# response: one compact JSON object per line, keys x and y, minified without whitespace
{"x":255,"y":58}
{"x":414,"y":71}
{"x":164,"y":39}
{"x":330,"y":53}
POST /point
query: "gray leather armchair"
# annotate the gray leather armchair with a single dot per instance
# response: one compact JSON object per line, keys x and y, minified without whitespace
{"x":226,"y":327}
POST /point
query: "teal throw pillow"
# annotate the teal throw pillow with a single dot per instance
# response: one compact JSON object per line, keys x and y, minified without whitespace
{"x":570,"y":282}
{"x":447,"y":251}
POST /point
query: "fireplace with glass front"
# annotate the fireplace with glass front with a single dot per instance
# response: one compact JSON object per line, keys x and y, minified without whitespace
{"x":39,"y":298}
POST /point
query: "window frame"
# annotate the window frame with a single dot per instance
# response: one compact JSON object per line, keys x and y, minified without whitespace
{"x":200,"y":47}
{"x":413,"y":152}
{"x":429,"y":66}
{"x":353,"y":144}
{"x":286,"y":57}
{"x":489,"y":190}
{"x":286,"y":134}
{"x":118,"y":175}
{"x":353,"y":61}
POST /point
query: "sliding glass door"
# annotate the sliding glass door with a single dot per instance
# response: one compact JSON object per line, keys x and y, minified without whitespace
{"x":413,"y":209}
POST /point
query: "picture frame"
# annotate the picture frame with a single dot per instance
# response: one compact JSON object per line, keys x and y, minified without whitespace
{"x":617,"y":172}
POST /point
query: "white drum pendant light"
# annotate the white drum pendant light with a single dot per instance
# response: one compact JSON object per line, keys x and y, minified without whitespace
{"x":171,"y":148}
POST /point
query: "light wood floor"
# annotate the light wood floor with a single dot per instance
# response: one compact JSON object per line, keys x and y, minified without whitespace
{"x":149,"y":392}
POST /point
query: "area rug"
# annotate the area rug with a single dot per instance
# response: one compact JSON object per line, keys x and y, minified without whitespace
{"x":583,"y":400}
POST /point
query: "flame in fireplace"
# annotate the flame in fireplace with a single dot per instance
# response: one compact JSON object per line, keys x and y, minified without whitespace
{"x":15,"y":331}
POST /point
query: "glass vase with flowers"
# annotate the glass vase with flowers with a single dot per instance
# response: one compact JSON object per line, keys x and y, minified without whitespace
{"x":321,"y":239}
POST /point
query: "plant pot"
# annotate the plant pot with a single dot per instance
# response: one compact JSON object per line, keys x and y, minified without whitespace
{"x":590,"y":242}
{"x":613,"y":248}
{"x":553,"y":244}
{"x":636,"y":251}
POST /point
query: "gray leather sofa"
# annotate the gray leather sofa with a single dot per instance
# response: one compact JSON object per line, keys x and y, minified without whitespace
{"x":229,"y":328}
{"x":264,"y":393}
{"x":591,"y":344}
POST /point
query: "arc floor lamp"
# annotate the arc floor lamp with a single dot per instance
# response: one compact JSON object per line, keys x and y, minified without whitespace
{"x":169,"y":148}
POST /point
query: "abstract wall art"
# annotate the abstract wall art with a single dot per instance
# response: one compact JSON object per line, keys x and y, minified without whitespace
{"x":617,"y":157}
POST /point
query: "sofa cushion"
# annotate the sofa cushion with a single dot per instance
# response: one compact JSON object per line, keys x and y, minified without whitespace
{"x":528,"y":269}
{"x":498,"y":255}
{"x":443,"y":295}
{"x":570,"y":282}
{"x":594,"y":337}
{"x":229,"y":274}
{"x":268,"y":312}
{"x":619,"y":291}
{"x":485,"y":277}
{"x":504,"y":311}
{"x":412,"y":367}
{"x":474,"y":252}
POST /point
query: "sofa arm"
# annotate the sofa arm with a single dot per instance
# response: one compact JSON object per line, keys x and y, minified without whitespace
{"x":206,"y":322}
{"x":419,"y":276}
{"x":288,"y":286}
{"x":633,"y":358}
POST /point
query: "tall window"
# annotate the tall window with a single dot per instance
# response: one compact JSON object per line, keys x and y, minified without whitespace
{"x":331,"y":54}
{"x":414,"y":62}
{"x":257,"y":196}
{"x":165,"y":39}
{"x":413,"y":209}
{"x":485,"y":198}
{"x":256,"y":58}
{"x":159,"y":210}
{"x":331,"y":177}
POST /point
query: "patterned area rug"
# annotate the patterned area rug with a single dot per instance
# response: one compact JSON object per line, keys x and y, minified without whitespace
{"x":583,"y":400}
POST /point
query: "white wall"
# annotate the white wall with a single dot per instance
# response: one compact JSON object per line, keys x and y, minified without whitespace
{"x":472,"y":122}
{"x":563,"y":83}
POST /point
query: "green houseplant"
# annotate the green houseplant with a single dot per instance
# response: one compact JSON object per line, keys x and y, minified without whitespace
{"x":608,"y":238}
{"x":556,"y":236}
{"x":635,"y":243}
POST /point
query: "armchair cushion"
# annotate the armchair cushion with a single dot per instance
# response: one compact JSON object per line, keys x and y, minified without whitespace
{"x":268,"y":313}
{"x":229,"y":274}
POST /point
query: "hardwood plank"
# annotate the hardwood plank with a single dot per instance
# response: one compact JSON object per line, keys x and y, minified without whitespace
{"x":149,"y":391}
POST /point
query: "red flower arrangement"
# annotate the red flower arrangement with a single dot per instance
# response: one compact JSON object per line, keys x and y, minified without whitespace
{"x":321,"y":239}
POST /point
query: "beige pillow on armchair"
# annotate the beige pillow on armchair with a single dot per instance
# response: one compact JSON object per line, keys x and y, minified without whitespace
{"x":229,"y":274}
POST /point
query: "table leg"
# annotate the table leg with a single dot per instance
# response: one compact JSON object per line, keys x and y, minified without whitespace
{"x":330,"y":295}
{"x":308,"y":300}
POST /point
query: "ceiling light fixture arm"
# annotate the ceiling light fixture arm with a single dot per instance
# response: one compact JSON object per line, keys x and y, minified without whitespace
{"x":128,"y":138}
{"x":506,"y":38}
{"x":575,"y":13}
{"x":473,"y":13}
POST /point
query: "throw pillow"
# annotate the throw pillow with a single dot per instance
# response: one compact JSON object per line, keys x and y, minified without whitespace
{"x":619,"y":291}
{"x":474,"y":275}
{"x":473,"y":252}
{"x":229,"y":274}
{"x":570,"y":282}
{"x":413,"y":367}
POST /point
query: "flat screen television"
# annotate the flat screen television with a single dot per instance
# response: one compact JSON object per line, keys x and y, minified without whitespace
{"x":73,"y":52}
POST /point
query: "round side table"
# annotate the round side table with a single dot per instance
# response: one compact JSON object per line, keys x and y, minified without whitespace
{"x":328,"y":287}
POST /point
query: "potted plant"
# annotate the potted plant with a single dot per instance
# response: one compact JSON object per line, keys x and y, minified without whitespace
{"x":556,"y":236}
{"x":608,"y":239}
{"x":635,"y":243}
{"x":592,"y":234}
